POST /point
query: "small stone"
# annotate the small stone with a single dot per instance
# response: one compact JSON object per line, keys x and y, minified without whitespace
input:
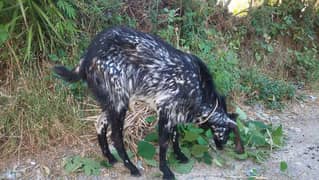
{"x":312,"y":98}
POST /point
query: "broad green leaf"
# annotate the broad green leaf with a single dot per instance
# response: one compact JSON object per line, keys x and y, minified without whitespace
{"x":184,"y":168}
{"x":150,"y":119}
{"x":145,"y":149}
{"x":190,"y":136}
{"x":195,"y":129}
{"x":209,"y":134}
{"x":258,"y":139}
{"x":186,"y":151}
{"x":207,"y":158}
{"x":283,"y":166}
{"x":151,"y":137}
{"x":198,"y":150}
{"x":241,"y":114}
{"x":151,"y":162}
{"x":201,"y":140}
{"x":259,"y":124}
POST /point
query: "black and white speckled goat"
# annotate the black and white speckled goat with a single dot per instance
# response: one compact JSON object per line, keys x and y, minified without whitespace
{"x":123,"y":65}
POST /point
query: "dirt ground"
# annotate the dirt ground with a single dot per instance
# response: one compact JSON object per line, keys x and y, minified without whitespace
{"x":301,"y":152}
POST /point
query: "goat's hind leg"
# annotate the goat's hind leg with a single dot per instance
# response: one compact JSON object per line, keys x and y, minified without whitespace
{"x":180,"y":156}
{"x":117,"y":137}
{"x":163,"y":135}
{"x":101,"y":127}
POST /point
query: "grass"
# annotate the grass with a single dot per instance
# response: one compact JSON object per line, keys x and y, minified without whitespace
{"x":39,"y":112}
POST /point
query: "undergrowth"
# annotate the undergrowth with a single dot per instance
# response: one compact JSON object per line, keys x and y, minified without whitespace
{"x":259,"y":139}
{"x":278,"y":41}
{"x":39,"y":113}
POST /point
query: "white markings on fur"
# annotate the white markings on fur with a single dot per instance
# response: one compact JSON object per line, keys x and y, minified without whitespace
{"x":100,"y":122}
{"x":128,"y":66}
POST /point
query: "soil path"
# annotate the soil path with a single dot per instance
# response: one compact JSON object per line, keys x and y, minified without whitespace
{"x":301,"y":152}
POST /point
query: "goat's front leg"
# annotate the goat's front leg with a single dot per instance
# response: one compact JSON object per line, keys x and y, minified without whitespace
{"x":117,"y":137}
{"x":101,"y":128}
{"x":180,"y":156}
{"x":163,"y":144}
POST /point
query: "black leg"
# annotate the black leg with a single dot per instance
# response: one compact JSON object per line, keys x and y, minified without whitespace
{"x":101,"y":128}
{"x":104,"y":145}
{"x":117,"y":137}
{"x":180,"y":156}
{"x":163,"y":143}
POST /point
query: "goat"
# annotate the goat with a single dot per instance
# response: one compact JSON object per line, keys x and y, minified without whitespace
{"x":123,"y":65}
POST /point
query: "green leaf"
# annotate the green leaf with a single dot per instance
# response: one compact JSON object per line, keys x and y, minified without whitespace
{"x":207,"y":158}
{"x":145,"y":149}
{"x":91,"y":167}
{"x":53,"y":57}
{"x":195,"y":129}
{"x":3,"y":34}
{"x":241,"y":113}
{"x":151,"y":162}
{"x":277,"y":136}
{"x":209,"y":134}
{"x":150,"y":119}
{"x":186,"y":151}
{"x":201,"y":140}
{"x":258,"y":139}
{"x":184,"y":168}
{"x":105,"y":163}
{"x":198,"y":150}
{"x":190,"y":136}
{"x":259,"y":124}
{"x":151,"y":137}
{"x":243,"y":156}
{"x":283,"y":166}
{"x":72,"y":164}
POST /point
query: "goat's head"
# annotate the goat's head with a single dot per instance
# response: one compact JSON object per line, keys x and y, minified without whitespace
{"x":221,"y":123}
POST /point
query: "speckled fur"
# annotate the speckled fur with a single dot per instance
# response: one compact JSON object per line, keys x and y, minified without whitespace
{"x":123,"y":65}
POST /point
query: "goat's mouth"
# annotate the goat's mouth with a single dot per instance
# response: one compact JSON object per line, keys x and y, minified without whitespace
{"x":219,"y":143}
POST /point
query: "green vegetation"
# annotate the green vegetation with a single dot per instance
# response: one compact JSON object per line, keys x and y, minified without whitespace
{"x":86,"y":165}
{"x":254,"y":59}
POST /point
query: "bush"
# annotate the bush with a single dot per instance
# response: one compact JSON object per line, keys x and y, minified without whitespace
{"x":259,"y":87}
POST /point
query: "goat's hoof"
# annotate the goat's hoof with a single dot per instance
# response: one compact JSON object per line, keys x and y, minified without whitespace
{"x":182,"y":159}
{"x":112,"y":161}
{"x":136,"y":173}
{"x":169,"y":176}
{"x":240,"y":150}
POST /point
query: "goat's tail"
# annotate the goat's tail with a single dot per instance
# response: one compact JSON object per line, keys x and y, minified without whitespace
{"x":68,"y":75}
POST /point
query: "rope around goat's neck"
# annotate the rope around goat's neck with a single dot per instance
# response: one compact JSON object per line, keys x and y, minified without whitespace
{"x":210,"y":114}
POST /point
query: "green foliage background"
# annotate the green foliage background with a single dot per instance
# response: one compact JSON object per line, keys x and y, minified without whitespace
{"x":258,"y":58}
